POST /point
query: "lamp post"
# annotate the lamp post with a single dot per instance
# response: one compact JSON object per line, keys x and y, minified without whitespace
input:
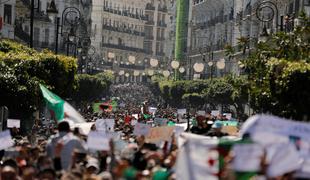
{"x":32,"y":20}
{"x":70,"y":16}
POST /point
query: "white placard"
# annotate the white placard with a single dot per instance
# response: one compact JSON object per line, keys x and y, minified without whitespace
{"x":106,"y":125}
{"x":178,"y":130}
{"x":136,"y":116}
{"x":6,"y":140}
{"x":228,"y":115}
{"x":152,"y":110}
{"x":247,"y":157}
{"x":201,"y":113}
{"x":160,"y":121}
{"x":215,"y":112}
{"x":98,"y":141}
{"x":181,"y":111}
{"x":11,"y":123}
{"x":133,"y":122}
{"x":273,"y":124}
{"x":141,"y":129}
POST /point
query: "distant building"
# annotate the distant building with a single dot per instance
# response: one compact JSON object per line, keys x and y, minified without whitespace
{"x":7,"y":18}
{"x":128,"y":33}
{"x":218,"y":25}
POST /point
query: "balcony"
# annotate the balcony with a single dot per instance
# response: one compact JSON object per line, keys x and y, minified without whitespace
{"x":149,"y":37}
{"x":162,"y":8}
{"x":161,"y":24}
{"x":131,"y":66}
{"x":150,"y":7}
{"x":158,"y":38}
{"x":122,"y":47}
{"x":125,"y":13}
{"x":150,"y":22}
{"x":123,"y":30}
{"x":160,"y":54}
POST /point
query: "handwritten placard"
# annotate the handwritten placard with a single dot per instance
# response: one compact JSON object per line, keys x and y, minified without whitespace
{"x":136,"y":116}
{"x":160,"y":121}
{"x":106,"y":125}
{"x":181,"y":111}
{"x":141,"y":129}
{"x":228,"y":115}
{"x":215,"y":112}
{"x":11,"y":123}
{"x":152,"y":110}
{"x":201,"y":113}
{"x":6,"y":140}
{"x":98,"y":141}
{"x":158,"y":134}
{"x":134,"y":122}
{"x":230,"y":130}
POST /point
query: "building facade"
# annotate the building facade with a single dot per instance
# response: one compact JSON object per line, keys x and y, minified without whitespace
{"x":7,"y":18}
{"x":128,"y":33}
{"x":223,"y":24}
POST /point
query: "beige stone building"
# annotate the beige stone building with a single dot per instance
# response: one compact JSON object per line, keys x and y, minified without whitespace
{"x":128,"y":33}
{"x":218,"y":23}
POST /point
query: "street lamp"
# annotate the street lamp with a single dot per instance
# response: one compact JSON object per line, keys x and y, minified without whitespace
{"x":181,"y":69}
{"x":71,"y":16}
{"x":32,"y":20}
{"x":154,"y":62}
{"x":175,"y":64}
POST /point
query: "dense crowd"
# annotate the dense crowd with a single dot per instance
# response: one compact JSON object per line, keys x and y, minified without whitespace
{"x":60,"y":150}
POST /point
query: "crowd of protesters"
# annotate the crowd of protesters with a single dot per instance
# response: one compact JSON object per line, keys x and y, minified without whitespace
{"x":59,"y":150}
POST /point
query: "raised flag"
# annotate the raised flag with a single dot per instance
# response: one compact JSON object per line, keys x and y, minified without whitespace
{"x":59,"y":108}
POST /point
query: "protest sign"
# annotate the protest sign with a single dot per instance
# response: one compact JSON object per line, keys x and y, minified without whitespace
{"x":181,"y":111}
{"x":106,"y":125}
{"x":6,"y":140}
{"x":273,"y":124}
{"x":215,"y":112}
{"x":285,"y":158}
{"x":178,"y":130}
{"x":152,"y":110}
{"x":201,"y":113}
{"x":134,"y":122}
{"x":136,"y":116}
{"x":160,"y":121}
{"x":228,"y":115}
{"x":141,"y":129}
{"x":11,"y":123}
{"x":230,"y":130}
{"x":227,"y":123}
{"x":84,"y":127}
{"x":247,"y":157}
{"x":98,"y":141}
{"x":158,"y":134}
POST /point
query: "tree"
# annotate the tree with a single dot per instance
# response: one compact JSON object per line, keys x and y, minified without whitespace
{"x":279,"y":73}
{"x":21,"y":71}
{"x":92,"y":87}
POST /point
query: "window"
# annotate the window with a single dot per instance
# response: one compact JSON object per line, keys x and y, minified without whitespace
{"x":36,"y":36}
{"x":8,"y":14}
{"x":47,"y":34}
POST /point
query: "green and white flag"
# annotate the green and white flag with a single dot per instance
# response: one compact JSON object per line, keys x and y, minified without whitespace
{"x":59,"y":108}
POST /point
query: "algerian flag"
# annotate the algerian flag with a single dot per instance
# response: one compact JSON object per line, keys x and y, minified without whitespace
{"x":59,"y":108}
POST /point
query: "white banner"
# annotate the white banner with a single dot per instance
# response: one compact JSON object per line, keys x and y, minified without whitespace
{"x":6,"y":140}
{"x":273,"y":124}
{"x":98,"y":141}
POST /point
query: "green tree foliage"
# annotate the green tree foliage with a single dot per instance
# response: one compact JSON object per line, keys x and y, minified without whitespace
{"x":279,"y":73}
{"x":219,"y":91}
{"x":21,"y":71}
{"x":92,"y":87}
